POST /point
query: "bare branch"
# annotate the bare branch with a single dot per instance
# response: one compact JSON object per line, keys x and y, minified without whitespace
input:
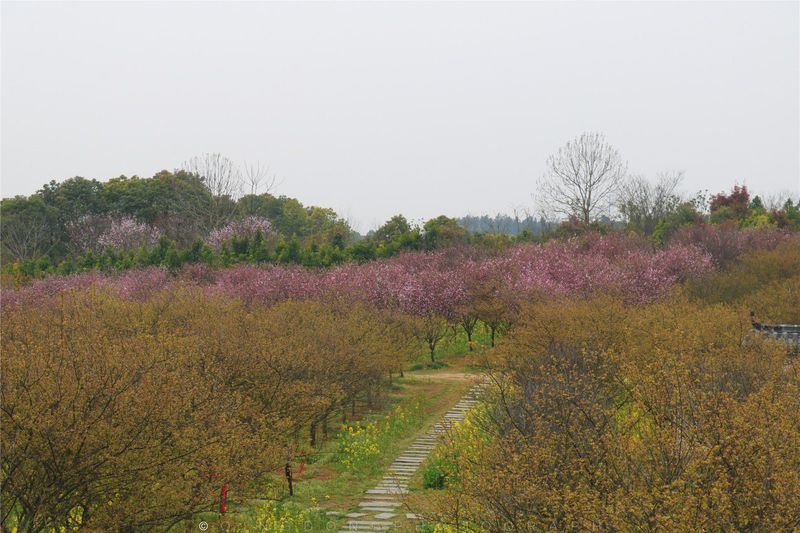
{"x":259,"y":179}
{"x":643,"y":203}
{"x":582,"y":178}
{"x":223,"y":180}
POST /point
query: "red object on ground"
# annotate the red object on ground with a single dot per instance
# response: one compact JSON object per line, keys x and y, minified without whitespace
{"x":223,"y":498}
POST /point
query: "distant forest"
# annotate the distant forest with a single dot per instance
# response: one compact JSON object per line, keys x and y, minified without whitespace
{"x":212,"y":212}
{"x":500,"y":223}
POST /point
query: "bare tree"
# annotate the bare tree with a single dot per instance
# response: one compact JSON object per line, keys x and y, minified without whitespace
{"x":219,"y":174}
{"x":258,"y":178}
{"x":643,"y":203}
{"x":776,"y":200}
{"x":582,"y":178}
{"x":27,"y":229}
{"x":29,"y":240}
{"x":223,"y":180}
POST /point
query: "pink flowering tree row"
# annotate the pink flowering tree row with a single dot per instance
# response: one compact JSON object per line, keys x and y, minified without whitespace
{"x":436,"y":290}
{"x":132,"y":284}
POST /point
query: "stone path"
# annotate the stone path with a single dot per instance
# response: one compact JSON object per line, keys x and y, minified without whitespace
{"x":383,"y":504}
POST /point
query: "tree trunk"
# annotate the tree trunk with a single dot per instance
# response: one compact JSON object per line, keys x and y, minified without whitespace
{"x":313,"y":434}
{"x":288,"y":472}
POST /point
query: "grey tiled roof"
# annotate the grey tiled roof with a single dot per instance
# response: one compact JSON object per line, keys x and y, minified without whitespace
{"x":789,"y":333}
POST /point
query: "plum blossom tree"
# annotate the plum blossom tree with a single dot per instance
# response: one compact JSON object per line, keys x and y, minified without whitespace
{"x":128,"y":234}
{"x":246,"y":227}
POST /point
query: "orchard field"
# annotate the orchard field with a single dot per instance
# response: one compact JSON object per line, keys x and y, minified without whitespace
{"x":360,"y":267}
{"x":148,"y":387}
{"x":130,"y":399}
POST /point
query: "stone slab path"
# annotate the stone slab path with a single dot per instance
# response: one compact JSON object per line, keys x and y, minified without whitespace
{"x":383,"y":503}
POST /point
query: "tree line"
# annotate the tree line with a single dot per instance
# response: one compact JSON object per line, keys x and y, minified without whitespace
{"x":213,"y":211}
{"x":182,"y":217}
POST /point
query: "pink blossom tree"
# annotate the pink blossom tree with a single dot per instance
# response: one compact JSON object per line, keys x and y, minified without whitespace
{"x":431,"y":296}
{"x":246,"y":227}
{"x":128,"y":234}
{"x":267,"y":285}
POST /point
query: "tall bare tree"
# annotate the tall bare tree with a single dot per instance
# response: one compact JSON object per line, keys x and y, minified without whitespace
{"x":582,"y":178}
{"x":223,"y":179}
{"x":643,"y":203}
{"x":220,"y":174}
{"x":259,"y":179}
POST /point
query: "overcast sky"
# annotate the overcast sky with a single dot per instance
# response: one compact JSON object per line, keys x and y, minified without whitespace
{"x":419,"y":108}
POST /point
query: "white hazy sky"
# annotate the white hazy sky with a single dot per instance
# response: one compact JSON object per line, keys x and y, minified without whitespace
{"x":420,"y":108}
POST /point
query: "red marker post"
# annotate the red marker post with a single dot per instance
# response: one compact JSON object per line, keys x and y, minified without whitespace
{"x":223,"y":498}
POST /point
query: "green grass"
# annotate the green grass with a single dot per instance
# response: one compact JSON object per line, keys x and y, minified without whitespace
{"x":456,"y":344}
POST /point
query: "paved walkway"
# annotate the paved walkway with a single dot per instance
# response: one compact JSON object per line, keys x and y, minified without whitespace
{"x":383,"y":504}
